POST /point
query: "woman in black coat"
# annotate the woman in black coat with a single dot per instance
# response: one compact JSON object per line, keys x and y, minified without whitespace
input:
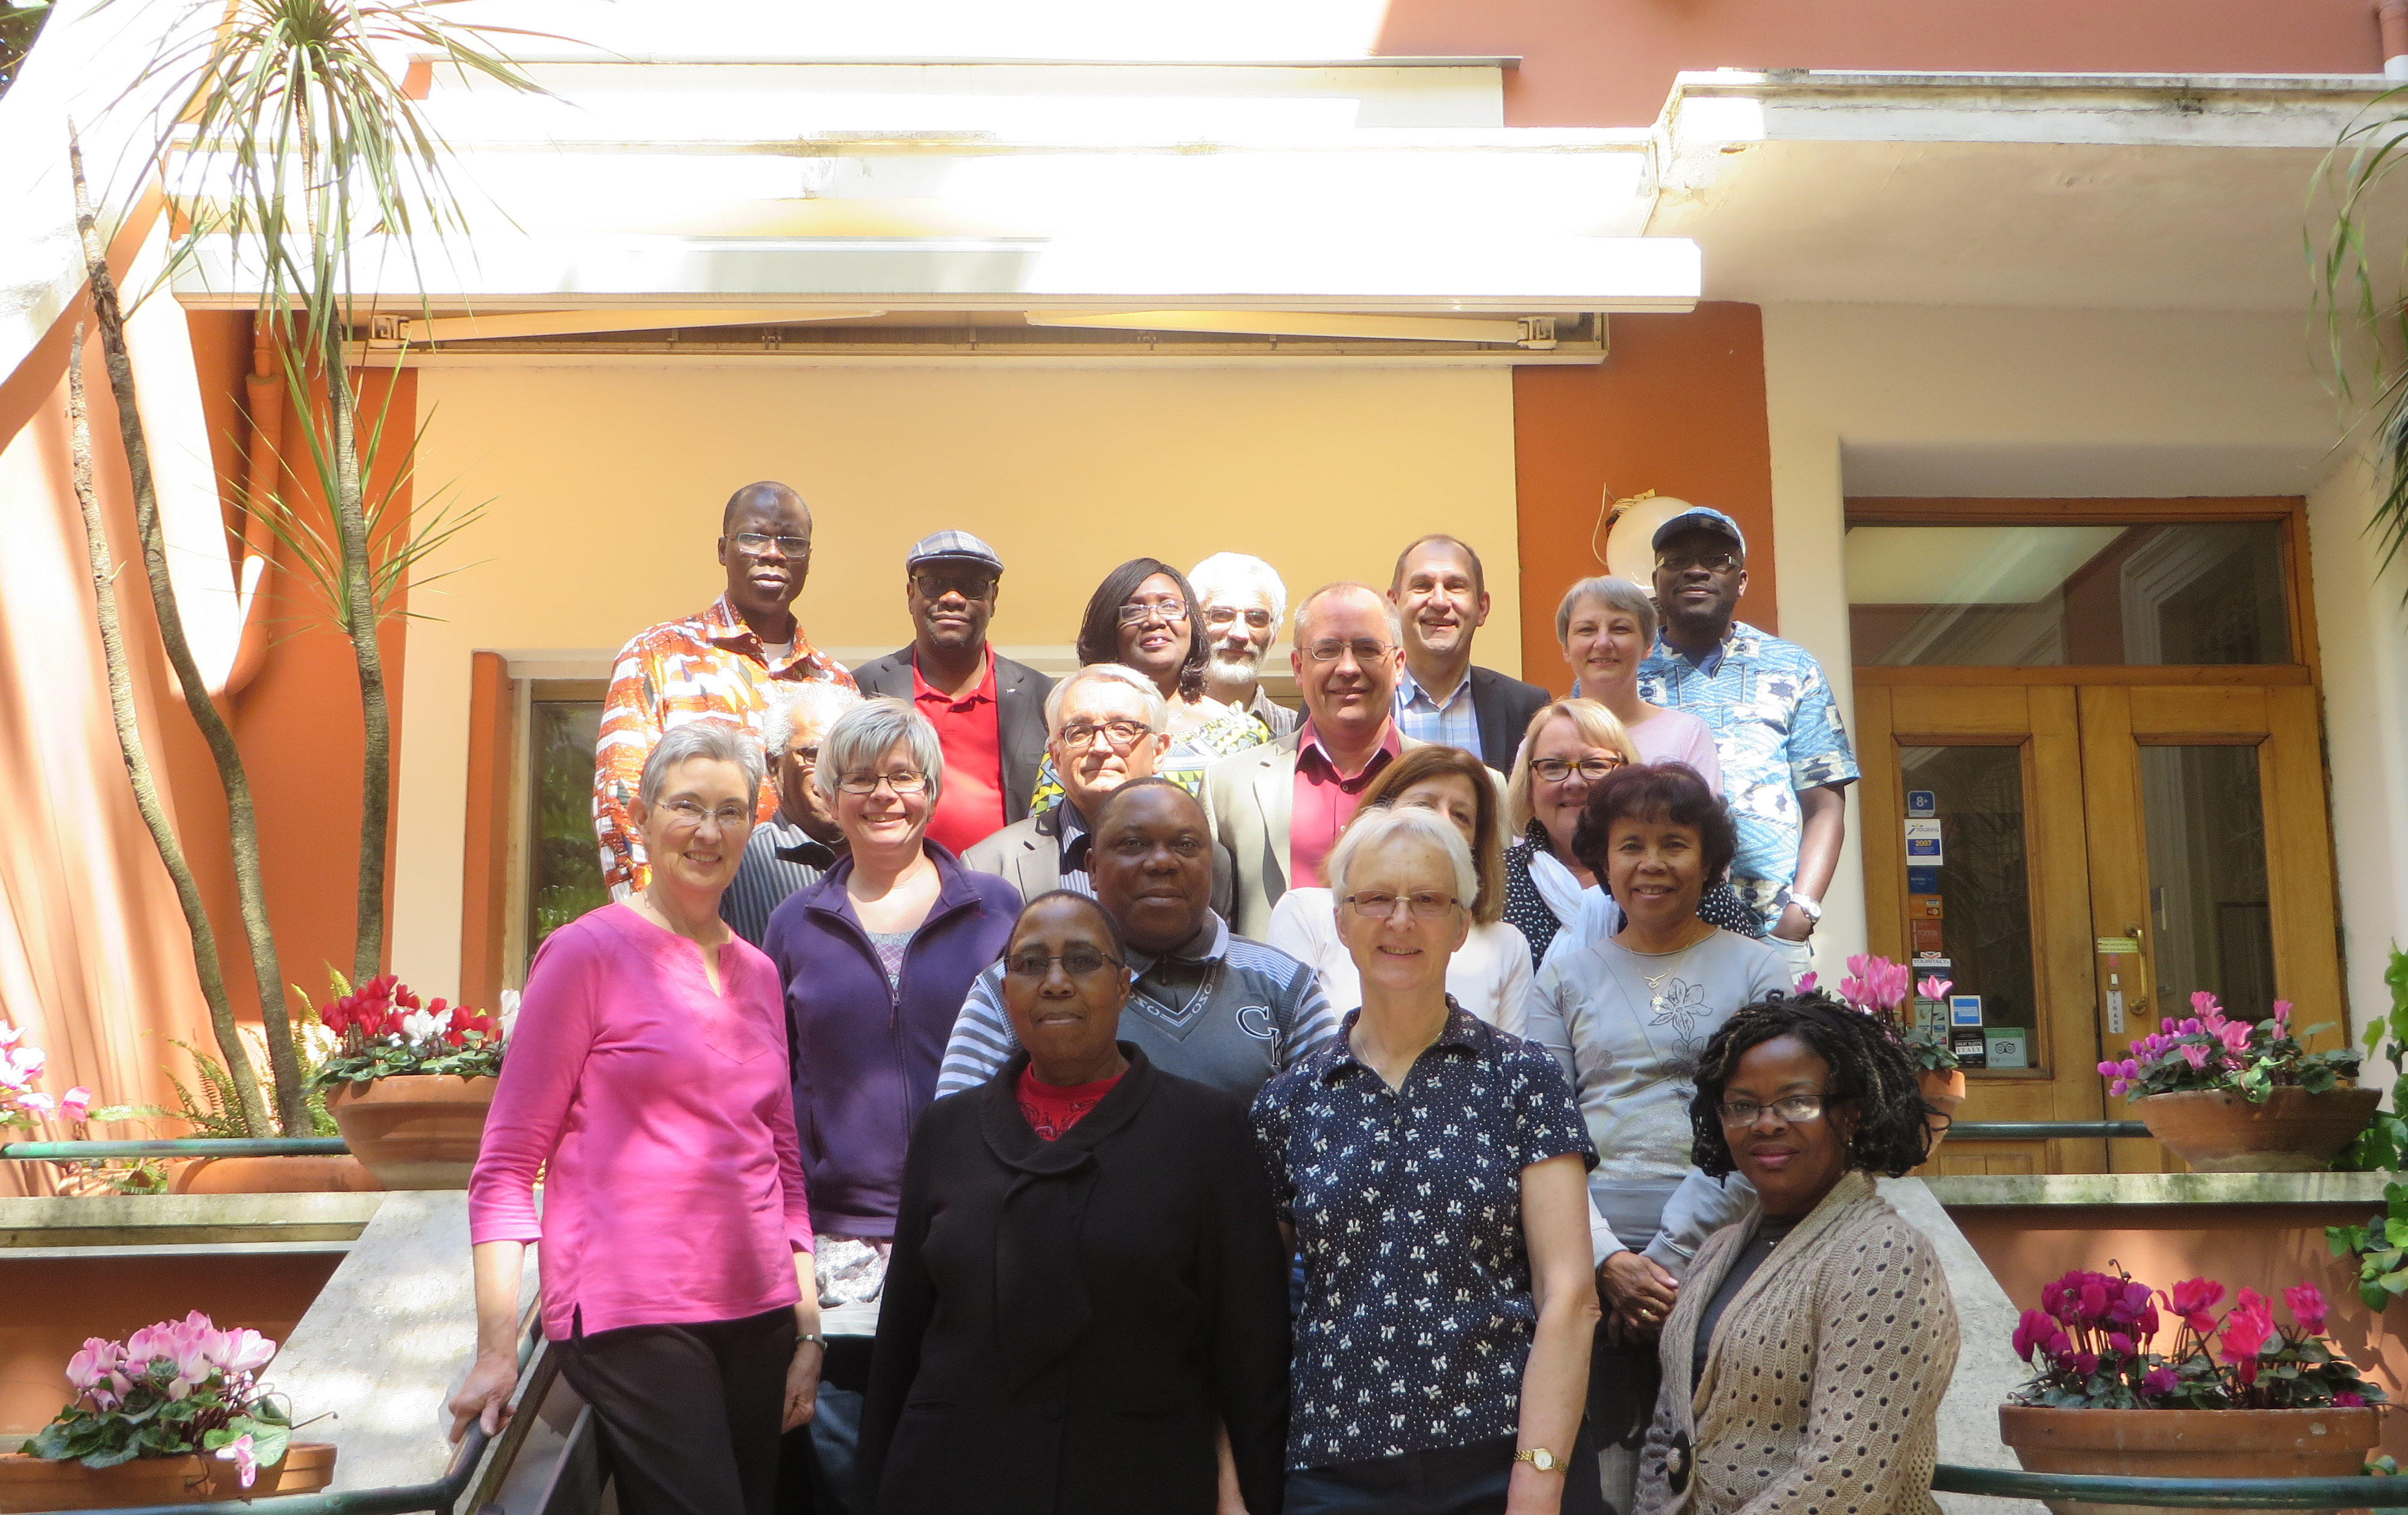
{"x":1088,"y":1286}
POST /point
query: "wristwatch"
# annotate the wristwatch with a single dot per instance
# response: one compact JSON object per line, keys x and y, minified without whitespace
{"x":1808,"y":905}
{"x":1539,"y":1458}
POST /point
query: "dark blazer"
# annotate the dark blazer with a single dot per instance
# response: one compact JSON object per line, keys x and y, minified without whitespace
{"x":1020,"y":693}
{"x":1063,"y":1320}
{"x":1504,"y":706}
{"x":1027,"y":854}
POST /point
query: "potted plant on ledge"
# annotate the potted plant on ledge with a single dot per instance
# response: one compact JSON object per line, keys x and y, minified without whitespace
{"x":410,"y":1082}
{"x":2229,"y":1396}
{"x":1878,"y":986}
{"x":174,"y":1414}
{"x":2226,"y":1096}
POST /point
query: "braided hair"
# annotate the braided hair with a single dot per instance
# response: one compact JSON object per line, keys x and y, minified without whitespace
{"x":1871,"y":1073}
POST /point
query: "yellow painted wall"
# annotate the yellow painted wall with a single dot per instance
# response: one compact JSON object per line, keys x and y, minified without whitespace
{"x":607,"y":482}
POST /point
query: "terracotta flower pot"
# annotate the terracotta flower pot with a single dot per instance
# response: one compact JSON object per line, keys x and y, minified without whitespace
{"x":2218,"y":1131}
{"x":337,"y":1175}
{"x":28,"y":1483}
{"x":2186,"y":1444}
{"x":416,"y":1130}
{"x":1945,"y":1093}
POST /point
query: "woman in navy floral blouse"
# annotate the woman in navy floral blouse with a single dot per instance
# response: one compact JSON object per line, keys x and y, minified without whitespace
{"x":1433,"y":1169}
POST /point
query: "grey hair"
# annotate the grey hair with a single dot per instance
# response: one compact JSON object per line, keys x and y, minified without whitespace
{"x":1617,"y":593}
{"x":715,"y":737}
{"x":1381,"y":824}
{"x":865,"y":733}
{"x":1157,"y":709}
{"x":1242,"y":572}
{"x":791,"y":706}
{"x":1387,"y":608}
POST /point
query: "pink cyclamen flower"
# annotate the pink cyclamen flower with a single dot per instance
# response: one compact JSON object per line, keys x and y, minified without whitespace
{"x":2193,"y":1299}
{"x":75,"y":1103}
{"x":2195,"y":1055}
{"x":1936,"y":988}
{"x":92,"y":1364}
{"x":2202,"y":1002}
{"x":244,"y":1350}
{"x":238,"y":1451}
{"x":37,"y":1101}
{"x":2234,"y":1036}
{"x":2248,"y":1327}
{"x":2346,"y":1400}
{"x":1807,"y":980}
{"x":2160,"y":1380}
{"x":2283,"y":1014}
{"x":2307,"y":1304}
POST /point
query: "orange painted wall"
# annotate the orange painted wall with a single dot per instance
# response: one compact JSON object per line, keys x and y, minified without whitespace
{"x":1678,"y":407}
{"x":1609,"y":62}
{"x":111,"y":1296}
{"x":2267,"y":1248}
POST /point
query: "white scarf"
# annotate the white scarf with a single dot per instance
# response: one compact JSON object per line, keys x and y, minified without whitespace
{"x":1588,"y":913}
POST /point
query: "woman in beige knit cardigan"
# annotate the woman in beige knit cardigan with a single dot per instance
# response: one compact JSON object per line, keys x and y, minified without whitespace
{"x":1804,"y":1363}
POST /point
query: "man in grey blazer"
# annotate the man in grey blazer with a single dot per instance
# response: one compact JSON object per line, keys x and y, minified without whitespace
{"x":988,"y":710}
{"x":1278,"y":808}
{"x":1106,"y":725}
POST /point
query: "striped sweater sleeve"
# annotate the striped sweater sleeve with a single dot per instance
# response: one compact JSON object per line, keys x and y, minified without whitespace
{"x":982,"y":1039}
{"x":1311,"y":1021}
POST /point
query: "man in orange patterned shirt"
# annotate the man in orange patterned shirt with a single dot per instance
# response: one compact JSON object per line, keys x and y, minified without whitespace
{"x":709,"y":664}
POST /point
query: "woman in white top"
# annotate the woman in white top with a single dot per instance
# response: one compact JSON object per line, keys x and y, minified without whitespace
{"x":1490,"y":974}
{"x":1607,"y":628}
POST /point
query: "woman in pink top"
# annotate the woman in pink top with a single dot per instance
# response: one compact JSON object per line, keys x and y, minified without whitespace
{"x":1607,"y":628}
{"x":647,"y":1081}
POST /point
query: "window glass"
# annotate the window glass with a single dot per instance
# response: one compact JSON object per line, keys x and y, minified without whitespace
{"x":2047,"y":596}
{"x":563,"y":859}
{"x":2208,"y":899}
{"x":1977,"y":915}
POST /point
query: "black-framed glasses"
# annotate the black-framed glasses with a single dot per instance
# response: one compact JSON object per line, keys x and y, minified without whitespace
{"x":1230,"y":615}
{"x":805,"y":757}
{"x":905,"y":782}
{"x":685,"y":812}
{"x":1079,"y":963}
{"x":1076,"y":736}
{"x":1713,"y":562}
{"x":1793,"y":1110}
{"x":1138,"y":612}
{"x":969,"y":586}
{"x":1555,"y":770}
{"x":1329,"y":649}
{"x":1425,"y":903}
{"x":754,"y":543}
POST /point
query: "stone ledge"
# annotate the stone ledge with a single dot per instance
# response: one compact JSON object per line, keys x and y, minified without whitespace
{"x":155,"y":1220}
{"x":1998,"y":1190}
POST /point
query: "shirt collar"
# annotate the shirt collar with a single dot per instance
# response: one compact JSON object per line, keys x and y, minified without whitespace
{"x":1308,"y":745}
{"x":1463,"y":1032}
{"x":1072,"y":837}
{"x":722,"y":627}
{"x":1209,"y":944}
{"x":1411,"y":687}
{"x":922,"y":690}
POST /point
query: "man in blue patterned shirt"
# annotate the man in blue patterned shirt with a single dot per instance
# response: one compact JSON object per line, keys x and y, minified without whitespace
{"x":1785,"y":758}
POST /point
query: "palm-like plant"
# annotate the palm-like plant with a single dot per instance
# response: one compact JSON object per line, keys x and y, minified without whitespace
{"x":2359,"y":299}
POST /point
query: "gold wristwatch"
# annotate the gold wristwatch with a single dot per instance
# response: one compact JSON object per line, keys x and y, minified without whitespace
{"x":1539,"y":1458}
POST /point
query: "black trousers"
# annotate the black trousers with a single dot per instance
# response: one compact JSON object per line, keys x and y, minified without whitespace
{"x":690,"y":1413}
{"x":1469,"y":1479}
{"x":815,"y":1465}
{"x":1623,"y":1382}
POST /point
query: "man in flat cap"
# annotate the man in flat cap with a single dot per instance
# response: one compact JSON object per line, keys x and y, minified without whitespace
{"x":988,"y":710}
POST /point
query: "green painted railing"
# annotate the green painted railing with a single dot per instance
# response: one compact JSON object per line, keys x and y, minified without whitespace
{"x":2042,"y":1130}
{"x":92,"y":1152}
{"x":2177,"y":1493}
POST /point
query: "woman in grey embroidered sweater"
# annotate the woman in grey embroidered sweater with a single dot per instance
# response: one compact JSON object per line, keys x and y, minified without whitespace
{"x":1627,"y":1019}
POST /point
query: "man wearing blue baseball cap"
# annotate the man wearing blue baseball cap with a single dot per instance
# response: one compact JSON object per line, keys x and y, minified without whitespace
{"x":1777,"y":734}
{"x":988,"y":710}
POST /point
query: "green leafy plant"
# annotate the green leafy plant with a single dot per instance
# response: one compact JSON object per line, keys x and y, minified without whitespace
{"x":2208,"y":1049}
{"x":2381,"y":1245}
{"x":386,"y":1030}
{"x":170,"y":1390}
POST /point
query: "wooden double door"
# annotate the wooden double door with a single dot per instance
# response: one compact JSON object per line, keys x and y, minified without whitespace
{"x":2087,"y":856}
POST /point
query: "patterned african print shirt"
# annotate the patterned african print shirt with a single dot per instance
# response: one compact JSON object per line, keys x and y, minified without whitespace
{"x":1407,"y":1204}
{"x":1776,"y":731}
{"x":709,"y":664}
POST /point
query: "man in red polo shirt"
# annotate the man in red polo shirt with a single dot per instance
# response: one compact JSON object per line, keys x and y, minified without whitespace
{"x":988,"y":710}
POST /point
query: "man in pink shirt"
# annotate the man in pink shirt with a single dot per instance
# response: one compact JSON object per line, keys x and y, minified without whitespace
{"x":1278,"y":808}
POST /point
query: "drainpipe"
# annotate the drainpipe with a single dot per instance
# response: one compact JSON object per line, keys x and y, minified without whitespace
{"x":264,"y":387}
{"x":2393,"y":17}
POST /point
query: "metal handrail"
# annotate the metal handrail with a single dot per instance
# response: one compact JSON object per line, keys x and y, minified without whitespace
{"x":2353,"y":1492}
{"x":2042,"y":1130}
{"x":92,"y":1152}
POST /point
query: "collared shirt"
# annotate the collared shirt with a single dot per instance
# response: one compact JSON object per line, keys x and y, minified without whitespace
{"x":780,"y":858}
{"x":1776,"y":731}
{"x":969,"y":804}
{"x":707,"y":665}
{"x":1076,"y":843}
{"x":1221,"y":1010}
{"x":1325,"y":800}
{"x":1276,"y":718}
{"x":1449,"y":723}
{"x":1407,"y":1205}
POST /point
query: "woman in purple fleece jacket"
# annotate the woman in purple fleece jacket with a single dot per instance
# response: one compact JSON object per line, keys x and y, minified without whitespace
{"x":876,"y":959}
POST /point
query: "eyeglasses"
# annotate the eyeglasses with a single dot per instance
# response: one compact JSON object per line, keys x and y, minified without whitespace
{"x":1713,"y":562}
{"x":1366,"y":650}
{"x":1793,"y":1110}
{"x":1555,"y":770}
{"x":685,"y":812}
{"x":1079,"y":963}
{"x":1228,"y":615}
{"x":906,"y":783}
{"x":754,"y":543}
{"x":805,"y":757}
{"x":1136,"y":844}
{"x":1121,"y":735}
{"x":968,"y":586}
{"x":1425,"y":903}
{"x":1138,"y":612}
